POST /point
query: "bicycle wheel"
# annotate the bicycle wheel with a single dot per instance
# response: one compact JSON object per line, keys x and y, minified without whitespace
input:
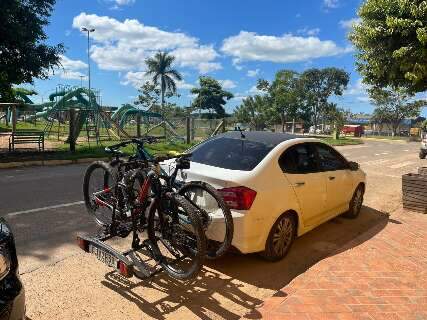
{"x":176,"y":237}
{"x":98,"y":192}
{"x":215,"y":215}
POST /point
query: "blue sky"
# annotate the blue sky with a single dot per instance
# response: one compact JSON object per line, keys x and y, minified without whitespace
{"x":234,"y":41}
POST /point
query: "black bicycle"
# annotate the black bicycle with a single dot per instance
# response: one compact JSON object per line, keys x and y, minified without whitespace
{"x":134,"y":199}
{"x":214,"y":213}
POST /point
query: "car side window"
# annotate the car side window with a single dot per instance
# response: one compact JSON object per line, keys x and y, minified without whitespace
{"x":298,"y":159}
{"x":329,"y":159}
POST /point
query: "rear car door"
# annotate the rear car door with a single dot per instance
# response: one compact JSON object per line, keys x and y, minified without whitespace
{"x":339,"y":180}
{"x":299,"y":164}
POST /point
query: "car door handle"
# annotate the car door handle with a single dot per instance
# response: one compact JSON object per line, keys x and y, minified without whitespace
{"x":299,"y":184}
{"x":331,"y":178}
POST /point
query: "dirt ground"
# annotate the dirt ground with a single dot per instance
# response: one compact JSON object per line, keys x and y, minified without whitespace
{"x":4,"y":144}
{"x":64,"y":283}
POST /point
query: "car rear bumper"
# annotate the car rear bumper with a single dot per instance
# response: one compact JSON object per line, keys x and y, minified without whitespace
{"x":13,"y":305}
{"x":246,"y":238}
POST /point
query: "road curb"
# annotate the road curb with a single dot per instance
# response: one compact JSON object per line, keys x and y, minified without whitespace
{"x":10,"y":165}
{"x":385,"y":140}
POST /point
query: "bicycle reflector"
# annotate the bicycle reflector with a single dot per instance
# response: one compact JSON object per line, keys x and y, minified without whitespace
{"x":239,"y":198}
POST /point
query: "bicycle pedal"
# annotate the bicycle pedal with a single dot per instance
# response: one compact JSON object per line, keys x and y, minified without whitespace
{"x":123,"y":230}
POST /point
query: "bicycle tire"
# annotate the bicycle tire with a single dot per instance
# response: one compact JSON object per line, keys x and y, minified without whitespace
{"x":213,"y":251}
{"x":169,"y":265}
{"x":89,"y":203}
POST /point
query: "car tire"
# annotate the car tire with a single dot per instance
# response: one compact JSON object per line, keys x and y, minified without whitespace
{"x":280,"y":238}
{"x":422,"y":155}
{"x":355,"y":203}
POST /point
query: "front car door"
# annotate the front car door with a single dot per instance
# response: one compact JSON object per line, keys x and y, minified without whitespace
{"x":299,"y":164}
{"x":339,"y":180}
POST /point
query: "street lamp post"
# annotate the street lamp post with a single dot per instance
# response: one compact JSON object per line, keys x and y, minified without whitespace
{"x":84,"y":29}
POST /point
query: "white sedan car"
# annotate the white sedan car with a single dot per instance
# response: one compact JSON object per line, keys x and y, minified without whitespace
{"x":278,"y":186}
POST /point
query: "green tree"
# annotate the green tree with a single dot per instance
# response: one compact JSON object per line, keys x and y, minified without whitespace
{"x":336,"y":117}
{"x":211,"y":96}
{"x":318,"y":85}
{"x":24,"y":55}
{"x":391,"y":41}
{"x":284,"y":94}
{"x":254,"y":111}
{"x":380,"y":117}
{"x":162,"y":72}
{"x":149,"y":96}
{"x":395,"y":105}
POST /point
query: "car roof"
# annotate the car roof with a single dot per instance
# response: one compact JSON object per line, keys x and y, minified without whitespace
{"x":271,"y":138}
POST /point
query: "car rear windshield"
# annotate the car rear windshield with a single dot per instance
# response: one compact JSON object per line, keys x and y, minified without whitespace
{"x":230,"y":153}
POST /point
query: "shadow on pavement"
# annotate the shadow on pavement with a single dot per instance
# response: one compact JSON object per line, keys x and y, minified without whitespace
{"x":230,"y":287}
{"x":43,"y":236}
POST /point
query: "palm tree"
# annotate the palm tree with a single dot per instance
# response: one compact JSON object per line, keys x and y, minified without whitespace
{"x":160,"y":68}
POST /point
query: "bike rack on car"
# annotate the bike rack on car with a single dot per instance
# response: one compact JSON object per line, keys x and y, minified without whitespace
{"x":127,"y":263}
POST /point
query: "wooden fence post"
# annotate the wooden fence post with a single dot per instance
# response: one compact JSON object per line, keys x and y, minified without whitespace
{"x":138,"y":125}
{"x":188,"y":131}
{"x":14,"y":119}
{"x":72,"y":130}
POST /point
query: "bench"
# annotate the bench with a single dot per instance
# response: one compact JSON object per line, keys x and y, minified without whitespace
{"x":26,"y":137}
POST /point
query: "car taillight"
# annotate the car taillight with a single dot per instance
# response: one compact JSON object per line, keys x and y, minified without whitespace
{"x":239,"y":198}
{"x":83,"y":244}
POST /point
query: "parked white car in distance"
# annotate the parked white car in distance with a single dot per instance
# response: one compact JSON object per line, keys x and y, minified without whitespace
{"x":278,"y":186}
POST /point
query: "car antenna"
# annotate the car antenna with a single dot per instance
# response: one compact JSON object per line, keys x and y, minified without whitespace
{"x":242,"y":135}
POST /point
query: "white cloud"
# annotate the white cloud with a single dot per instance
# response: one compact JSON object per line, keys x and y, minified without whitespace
{"x":348,"y":24}
{"x":238,"y":97}
{"x":236,"y":64}
{"x":124,"y":45}
{"x":288,"y":48}
{"x":227,"y":84}
{"x":253,"y":73}
{"x":70,"y":69}
{"x":124,"y":2}
{"x":309,"y":32}
{"x":356,"y":89}
{"x":364,"y":99}
{"x":138,"y":78}
{"x":255,"y":90}
{"x":331,"y":4}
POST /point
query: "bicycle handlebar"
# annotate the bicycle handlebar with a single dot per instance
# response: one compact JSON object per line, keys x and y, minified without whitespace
{"x":178,"y":157}
{"x":140,"y":142}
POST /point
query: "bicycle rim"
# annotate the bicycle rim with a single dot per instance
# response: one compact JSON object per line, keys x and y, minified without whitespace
{"x":215,"y":216}
{"x":98,"y":189}
{"x":177,"y":238}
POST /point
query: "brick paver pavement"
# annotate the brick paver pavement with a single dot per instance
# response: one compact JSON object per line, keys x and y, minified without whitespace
{"x":382,"y":274}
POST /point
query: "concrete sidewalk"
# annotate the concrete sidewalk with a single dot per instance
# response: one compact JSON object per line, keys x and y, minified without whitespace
{"x":382,"y":274}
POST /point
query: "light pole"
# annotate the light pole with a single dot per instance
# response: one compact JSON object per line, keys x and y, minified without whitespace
{"x":84,"y":29}
{"x":81,"y":81}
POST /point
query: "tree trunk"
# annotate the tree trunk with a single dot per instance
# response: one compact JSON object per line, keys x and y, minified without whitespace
{"x":315,"y":117}
{"x":162,"y":106}
{"x":282,"y":118}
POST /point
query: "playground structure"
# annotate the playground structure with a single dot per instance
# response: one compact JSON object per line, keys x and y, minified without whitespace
{"x":90,"y":120}
{"x":150,"y":120}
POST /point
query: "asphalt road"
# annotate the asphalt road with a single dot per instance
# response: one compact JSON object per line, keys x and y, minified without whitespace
{"x":43,"y":205}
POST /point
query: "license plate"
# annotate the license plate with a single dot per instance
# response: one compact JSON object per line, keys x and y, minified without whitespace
{"x":103,"y":256}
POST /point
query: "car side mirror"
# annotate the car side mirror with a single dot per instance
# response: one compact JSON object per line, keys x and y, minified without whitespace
{"x":353,"y":166}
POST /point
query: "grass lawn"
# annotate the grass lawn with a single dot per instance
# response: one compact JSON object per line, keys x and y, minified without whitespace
{"x":341,"y":141}
{"x":83,"y":150}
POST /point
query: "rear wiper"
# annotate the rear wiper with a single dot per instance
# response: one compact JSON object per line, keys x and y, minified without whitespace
{"x":242,"y":135}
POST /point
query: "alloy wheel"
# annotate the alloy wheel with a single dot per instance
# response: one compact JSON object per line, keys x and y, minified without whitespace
{"x":282,"y":237}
